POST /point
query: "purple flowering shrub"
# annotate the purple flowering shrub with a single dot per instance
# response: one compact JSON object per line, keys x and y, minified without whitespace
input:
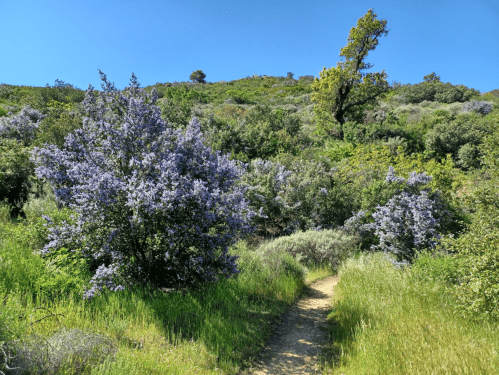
{"x":408,"y":222}
{"x":477,"y":106}
{"x":22,"y":126}
{"x":411,"y":219}
{"x":153,"y":205}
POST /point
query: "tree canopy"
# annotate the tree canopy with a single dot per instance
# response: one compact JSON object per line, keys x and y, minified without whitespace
{"x":198,"y":76}
{"x":344,"y":90}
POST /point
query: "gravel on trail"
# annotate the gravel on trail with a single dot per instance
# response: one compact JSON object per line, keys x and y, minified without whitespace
{"x":296,"y":344}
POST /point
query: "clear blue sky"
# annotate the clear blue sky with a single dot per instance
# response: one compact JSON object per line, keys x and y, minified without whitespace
{"x":166,"y":40}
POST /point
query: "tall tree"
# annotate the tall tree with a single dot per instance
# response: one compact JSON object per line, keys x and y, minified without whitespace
{"x":346,"y":89}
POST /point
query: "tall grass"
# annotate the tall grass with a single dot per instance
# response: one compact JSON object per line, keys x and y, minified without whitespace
{"x":391,"y":321}
{"x":217,"y":329}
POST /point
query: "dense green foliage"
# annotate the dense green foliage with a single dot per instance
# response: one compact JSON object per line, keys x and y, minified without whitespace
{"x":432,"y":89}
{"x":197,"y":76}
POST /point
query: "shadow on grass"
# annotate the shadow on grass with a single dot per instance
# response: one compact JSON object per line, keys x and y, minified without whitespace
{"x":231,"y":320}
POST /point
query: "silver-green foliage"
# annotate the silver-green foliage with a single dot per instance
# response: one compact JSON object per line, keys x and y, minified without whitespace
{"x":66,"y":349}
{"x":315,"y":247}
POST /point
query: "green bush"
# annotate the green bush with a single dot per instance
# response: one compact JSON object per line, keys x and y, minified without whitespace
{"x":60,"y":121}
{"x":41,"y":201}
{"x":15,"y":173}
{"x":3,"y":111}
{"x":435,"y":91}
{"x":448,"y":138}
{"x":176,"y":113}
{"x":296,"y":194}
{"x":314,"y":248}
{"x":478,"y":247}
{"x":260,"y":133}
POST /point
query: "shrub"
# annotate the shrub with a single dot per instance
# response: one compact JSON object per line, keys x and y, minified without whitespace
{"x":3,"y":111}
{"x":41,"y":201}
{"x":56,"y":126}
{"x":304,"y":195}
{"x":477,"y":106}
{"x":67,"y":349}
{"x":312,"y":247}
{"x":365,"y":171}
{"x":15,"y":173}
{"x":306,"y":78}
{"x":449,"y":137}
{"x":176,"y":113}
{"x":153,"y":205}
{"x":478,"y":251}
{"x":6,"y":91}
{"x":21,"y":127}
{"x":411,"y":218}
{"x":448,"y":95}
{"x":60,"y":92}
{"x":468,"y":156}
{"x":260,"y":133}
{"x":434,"y":90}
{"x":478,"y":247}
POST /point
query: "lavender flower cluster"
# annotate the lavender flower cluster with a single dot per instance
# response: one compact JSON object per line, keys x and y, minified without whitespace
{"x":411,"y":219}
{"x":477,"y":106}
{"x":23,"y":126}
{"x":153,"y":205}
{"x":408,"y":222}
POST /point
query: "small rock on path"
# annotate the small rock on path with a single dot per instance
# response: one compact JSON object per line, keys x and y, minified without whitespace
{"x":294,"y":347}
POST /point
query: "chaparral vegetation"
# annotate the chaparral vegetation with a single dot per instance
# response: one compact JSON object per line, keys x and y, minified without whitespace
{"x":164,"y":230}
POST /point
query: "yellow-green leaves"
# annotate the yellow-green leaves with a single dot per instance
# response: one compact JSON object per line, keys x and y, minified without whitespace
{"x":344,"y":89}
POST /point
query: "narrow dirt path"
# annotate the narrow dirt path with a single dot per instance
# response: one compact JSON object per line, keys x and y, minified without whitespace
{"x":294,"y":347}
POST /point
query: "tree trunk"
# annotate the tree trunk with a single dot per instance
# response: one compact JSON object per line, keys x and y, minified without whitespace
{"x":339,"y":116}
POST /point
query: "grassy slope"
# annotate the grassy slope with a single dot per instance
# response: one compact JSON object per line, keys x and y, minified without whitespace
{"x":390,"y":321}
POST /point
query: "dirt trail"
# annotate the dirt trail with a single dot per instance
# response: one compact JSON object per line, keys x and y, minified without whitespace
{"x":294,"y":347}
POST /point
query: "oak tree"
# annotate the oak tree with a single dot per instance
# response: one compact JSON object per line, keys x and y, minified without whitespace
{"x":346,"y":89}
{"x":198,"y":76}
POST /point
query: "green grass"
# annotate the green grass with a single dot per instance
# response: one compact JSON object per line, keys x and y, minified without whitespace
{"x":218,"y":329}
{"x":390,"y":321}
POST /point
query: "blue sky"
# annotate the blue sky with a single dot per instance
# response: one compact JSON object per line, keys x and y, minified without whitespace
{"x":166,"y":40}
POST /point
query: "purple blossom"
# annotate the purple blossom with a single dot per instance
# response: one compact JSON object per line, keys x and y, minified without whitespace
{"x":477,"y":106}
{"x":23,"y":126}
{"x":154,"y":205}
{"x":411,"y":218}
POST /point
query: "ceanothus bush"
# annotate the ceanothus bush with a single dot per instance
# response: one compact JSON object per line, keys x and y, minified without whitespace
{"x":409,"y":221}
{"x":477,"y":106}
{"x":411,"y":218}
{"x":23,"y":126}
{"x":154,"y":205}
